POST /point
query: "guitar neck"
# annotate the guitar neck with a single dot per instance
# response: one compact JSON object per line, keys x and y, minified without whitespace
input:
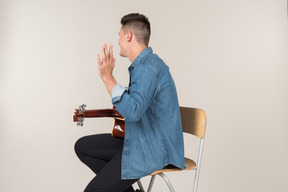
{"x":119,"y":125}
{"x":103,"y":113}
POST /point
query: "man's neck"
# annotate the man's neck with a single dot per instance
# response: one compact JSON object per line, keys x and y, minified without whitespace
{"x":135,"y":51}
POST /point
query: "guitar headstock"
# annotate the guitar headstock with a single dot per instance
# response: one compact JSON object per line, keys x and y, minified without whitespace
{"x":79,"y":115}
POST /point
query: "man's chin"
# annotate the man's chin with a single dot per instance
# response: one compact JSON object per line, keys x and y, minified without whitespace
{"x":122,"y":55}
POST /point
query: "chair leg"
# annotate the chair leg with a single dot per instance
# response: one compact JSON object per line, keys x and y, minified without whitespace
{"x":151,"y":183}
{"x":167,"y":182}
{"x":198,"y":165}
{"x":196,"y":181}
{"x":140,"y":185}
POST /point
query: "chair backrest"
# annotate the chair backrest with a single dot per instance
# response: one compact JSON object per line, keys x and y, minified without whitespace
{"x":193,"y":121}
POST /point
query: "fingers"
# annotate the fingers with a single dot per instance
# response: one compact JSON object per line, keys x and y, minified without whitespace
{"x":103,"y":53}
{"x":106,"y":50}
{"x":106,"y":54}
{"x":111,"y":51}
{"x":99,"y":60}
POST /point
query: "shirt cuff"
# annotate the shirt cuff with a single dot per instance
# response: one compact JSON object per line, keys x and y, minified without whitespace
{"x":117,"y":92}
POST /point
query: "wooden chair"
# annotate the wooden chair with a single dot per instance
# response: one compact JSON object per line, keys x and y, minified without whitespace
{"x":193,"y":122}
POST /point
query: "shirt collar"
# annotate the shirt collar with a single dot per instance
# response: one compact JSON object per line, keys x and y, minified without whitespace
{"x":143,"y":53}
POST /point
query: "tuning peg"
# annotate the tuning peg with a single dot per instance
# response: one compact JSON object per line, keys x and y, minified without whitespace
{"x":79,"y":123}
{"x":82,"y":108}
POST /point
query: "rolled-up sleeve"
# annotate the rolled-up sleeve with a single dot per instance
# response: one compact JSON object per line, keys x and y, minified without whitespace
{"x":117,"y":92}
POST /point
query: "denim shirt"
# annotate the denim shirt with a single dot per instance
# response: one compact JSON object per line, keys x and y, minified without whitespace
{"x":153,"y":129}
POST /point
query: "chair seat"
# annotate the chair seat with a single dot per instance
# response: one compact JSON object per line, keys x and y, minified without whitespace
{"x":189,"y":164}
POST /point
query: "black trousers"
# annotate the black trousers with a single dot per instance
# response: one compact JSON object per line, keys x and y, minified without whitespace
{"x":102,"y":154}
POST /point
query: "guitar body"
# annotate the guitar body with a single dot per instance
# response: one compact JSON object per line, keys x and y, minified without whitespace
{"x":118,"y":129}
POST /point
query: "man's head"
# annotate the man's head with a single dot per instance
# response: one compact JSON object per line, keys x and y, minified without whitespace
{"x":134,"y":35}
{"x":139,"y":25}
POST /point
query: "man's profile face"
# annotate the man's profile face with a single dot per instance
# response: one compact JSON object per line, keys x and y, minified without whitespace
{"x":122,"y":42}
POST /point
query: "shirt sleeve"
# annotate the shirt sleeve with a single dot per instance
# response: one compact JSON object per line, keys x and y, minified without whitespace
{"x":132,"y":104}
{"x":117,"y":92}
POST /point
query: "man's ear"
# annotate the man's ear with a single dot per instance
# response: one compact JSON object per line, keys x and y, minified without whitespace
{"x":129,"y":35}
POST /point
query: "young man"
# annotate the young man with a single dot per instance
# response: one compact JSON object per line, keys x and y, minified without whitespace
{"x":153,"y":130}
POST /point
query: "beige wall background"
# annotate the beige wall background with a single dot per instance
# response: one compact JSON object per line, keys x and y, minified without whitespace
{"x":228,"y":57}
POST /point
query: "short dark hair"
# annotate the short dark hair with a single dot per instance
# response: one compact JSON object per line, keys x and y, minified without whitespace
{"x":139,"y":25}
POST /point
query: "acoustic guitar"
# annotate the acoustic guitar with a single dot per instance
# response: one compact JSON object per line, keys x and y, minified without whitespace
{"x":118,"y":129}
